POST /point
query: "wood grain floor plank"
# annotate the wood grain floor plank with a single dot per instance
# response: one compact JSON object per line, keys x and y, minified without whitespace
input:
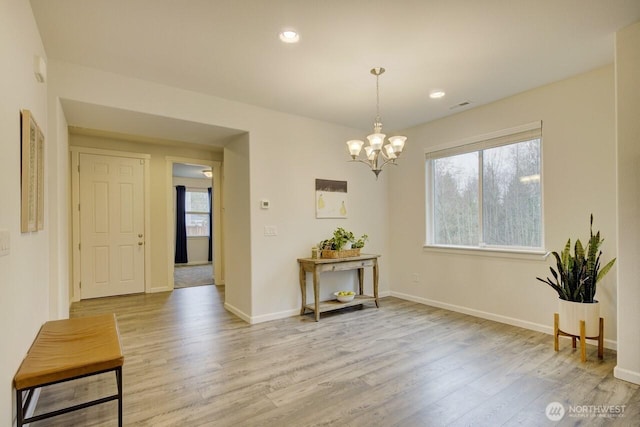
{"x":190,"y":362}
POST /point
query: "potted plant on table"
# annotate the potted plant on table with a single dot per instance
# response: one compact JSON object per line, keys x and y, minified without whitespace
{"x":342,"y":244}
{"x":575,"y":282}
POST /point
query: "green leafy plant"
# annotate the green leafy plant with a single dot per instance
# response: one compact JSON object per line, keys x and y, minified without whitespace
{"x":340,"y":238}
{"x":578,"y":273}
{"x":360,"y":242}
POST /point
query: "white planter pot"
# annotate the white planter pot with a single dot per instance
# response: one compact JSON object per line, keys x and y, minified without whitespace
{"x":571,"y":313}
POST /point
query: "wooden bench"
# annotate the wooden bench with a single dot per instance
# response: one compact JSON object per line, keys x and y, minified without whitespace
{"x":66,"y":350}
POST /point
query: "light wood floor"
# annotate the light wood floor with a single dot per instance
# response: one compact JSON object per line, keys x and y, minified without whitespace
{"x":188,"y":362}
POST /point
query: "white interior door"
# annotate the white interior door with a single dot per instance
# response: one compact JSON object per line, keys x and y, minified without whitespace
{"x":111,"y":225}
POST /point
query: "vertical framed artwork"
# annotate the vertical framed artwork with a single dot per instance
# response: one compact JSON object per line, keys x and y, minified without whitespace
{"x":32,"y":174}
{"x":40,"y":185}
{"x":331,"y":199}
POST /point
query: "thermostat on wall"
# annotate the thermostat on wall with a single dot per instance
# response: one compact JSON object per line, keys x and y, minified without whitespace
{"x":264,"y":204}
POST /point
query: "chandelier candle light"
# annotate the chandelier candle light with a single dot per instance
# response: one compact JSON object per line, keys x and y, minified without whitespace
{"x":390,"y":152}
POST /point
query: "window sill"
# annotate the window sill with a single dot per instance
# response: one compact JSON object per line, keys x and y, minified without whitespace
{"x":197,"y":237}
{"x":532,"y":255}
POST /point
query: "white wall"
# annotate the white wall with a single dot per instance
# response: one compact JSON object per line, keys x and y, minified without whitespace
{"x":628,"y":139}
{"x":236,"y":218}
{"x":278,"y":160}
{"x":579,"y":178}
{"x":24,"y":273}
{"x":58,"y":177}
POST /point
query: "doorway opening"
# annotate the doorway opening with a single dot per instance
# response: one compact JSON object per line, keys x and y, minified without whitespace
{"x":195,"y":223}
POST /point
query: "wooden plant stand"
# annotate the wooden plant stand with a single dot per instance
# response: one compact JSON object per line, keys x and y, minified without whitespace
{"x":583,"y":345}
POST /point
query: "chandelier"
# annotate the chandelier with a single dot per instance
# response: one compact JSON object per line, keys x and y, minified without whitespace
{"x":376,"y":155}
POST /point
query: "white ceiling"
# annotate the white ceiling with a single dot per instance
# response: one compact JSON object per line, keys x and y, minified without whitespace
{"x":477,"y":51}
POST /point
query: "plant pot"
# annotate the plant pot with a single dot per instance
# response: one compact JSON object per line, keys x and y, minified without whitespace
{"x":327,"y":253}
{"x":571,"y":313}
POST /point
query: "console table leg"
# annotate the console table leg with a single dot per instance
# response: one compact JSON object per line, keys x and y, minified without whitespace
{"x":361,"y":280}
{"x":316,"y":294}
{"x":376,"y":275}
{"x":303,"y":288}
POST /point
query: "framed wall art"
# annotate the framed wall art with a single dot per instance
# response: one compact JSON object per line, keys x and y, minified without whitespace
{"x":40,"y":186}
{"x":331,"y":199}
{"x":32,"y":174}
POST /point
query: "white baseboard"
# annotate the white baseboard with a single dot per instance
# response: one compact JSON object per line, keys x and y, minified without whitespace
{"x":610,"y":344}
{"x":158,"y":289}
{"x":626,"y":375}
{"x":277,"y":315}
{"x":241,"y":314}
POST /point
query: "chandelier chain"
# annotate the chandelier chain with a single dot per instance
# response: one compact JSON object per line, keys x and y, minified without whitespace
{"x":377,"y":125}
{"x":378,"y":97}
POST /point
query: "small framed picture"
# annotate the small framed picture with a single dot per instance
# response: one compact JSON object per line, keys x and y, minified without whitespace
{"x":32,"y":174}
{"x":331,"y":199}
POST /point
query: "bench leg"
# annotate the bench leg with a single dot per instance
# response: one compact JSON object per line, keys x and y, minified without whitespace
{"x":20,"y":409}
{"x":119,"y":382}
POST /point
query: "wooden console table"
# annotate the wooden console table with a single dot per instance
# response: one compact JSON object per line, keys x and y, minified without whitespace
{"x":321,"y":265}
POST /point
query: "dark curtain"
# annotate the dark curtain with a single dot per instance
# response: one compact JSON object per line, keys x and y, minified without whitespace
{"x":210,"y":225}
{"x":181,"y":227}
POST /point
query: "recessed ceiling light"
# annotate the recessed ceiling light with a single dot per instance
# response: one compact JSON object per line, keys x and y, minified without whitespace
{"x":436,"y":94}
{"x":289,"y":36}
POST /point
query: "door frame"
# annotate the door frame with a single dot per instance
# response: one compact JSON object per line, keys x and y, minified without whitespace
{"x":216,"y":211}
{"x":75,"y":215}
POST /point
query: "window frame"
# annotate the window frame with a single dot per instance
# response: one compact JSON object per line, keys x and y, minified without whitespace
{"x":479,"y":143}
{"x":188,"y":212}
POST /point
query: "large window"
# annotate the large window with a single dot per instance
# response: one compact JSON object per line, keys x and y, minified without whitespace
{"x":197,"y":212}
{"x":487,"y":194}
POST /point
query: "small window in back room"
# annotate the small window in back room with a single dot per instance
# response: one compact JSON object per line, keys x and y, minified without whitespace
{"x":197,"y":212}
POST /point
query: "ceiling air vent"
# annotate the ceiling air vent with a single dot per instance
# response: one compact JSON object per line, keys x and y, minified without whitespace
{"x":462,"y":104}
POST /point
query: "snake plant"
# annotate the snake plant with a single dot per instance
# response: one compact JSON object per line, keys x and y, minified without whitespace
{"x":578,"y":273}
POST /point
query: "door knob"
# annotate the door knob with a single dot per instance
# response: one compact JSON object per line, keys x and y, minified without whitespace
{"x":140,"y":236}
{"x":140,"y":243}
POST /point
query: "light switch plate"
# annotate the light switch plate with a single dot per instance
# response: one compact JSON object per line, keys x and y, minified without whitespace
{"x":270,"y":230}
{"x":5,"y":242}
